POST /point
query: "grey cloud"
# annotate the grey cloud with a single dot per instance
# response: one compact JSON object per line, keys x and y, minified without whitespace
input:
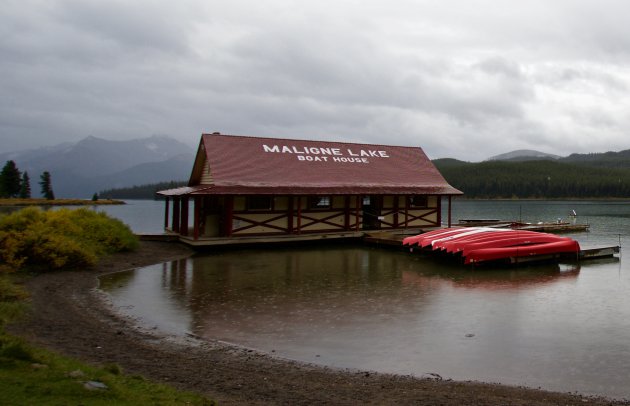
{"x":449,"y":77}
{"x":136,"y":26}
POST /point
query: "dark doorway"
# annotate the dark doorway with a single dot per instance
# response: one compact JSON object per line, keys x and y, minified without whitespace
{"x":371,"y":211}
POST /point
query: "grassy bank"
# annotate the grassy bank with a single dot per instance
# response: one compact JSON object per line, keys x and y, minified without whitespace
{"x":44,"y":241}
{"x":34,"y":376}
{"x":57,"y":202}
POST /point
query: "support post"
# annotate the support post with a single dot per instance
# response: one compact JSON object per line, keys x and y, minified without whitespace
{"x":197,"y":217}
{"x":450,"y":201}
{"x":184,"y":217}
{"x":175,"y":224}
{"x":166,"y":209}
{"x":290,"y":216}
{"x":229,"y":215}
{"x":346,"y":213}
{"x":396,"y":198}
{"x":357,"y":213}
{"x":299,"y":214}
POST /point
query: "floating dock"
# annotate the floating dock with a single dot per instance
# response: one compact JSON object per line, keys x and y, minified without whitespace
{"x":599,"y":252}
{"x":253,"y":240}
{"x":545,"y":227}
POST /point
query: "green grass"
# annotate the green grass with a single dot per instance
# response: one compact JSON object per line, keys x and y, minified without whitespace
{"x":30,"y":375}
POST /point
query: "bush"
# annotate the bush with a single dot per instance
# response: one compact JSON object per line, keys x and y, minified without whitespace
{"x":31,"y":238}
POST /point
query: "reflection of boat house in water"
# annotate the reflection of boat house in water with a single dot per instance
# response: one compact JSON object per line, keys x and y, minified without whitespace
{"x":248,"y":186}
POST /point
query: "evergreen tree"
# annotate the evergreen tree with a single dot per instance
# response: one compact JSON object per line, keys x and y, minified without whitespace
{"x":95,"y":197}
{"x":9,"y":180}
{"x":46,"y":185}
{"x":25,"y":189}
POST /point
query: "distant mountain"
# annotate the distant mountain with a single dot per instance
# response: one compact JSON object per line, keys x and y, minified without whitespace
{"x":94,"y":164}
{"x":177,"y":168}
{"x":524,"y":155}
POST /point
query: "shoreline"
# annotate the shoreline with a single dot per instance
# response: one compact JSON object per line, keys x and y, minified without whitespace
{"x":71,"y":315}
{"x":15,"y":202}
{"x":544,"y":199}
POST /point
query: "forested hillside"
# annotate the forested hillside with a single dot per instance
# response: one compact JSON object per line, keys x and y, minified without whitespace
{"x":611,"y":159}
{"x":536,"y":179}
{"x":140,"y":192}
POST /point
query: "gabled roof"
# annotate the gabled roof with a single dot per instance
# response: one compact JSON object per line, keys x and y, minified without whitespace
{"x":229,"y":164}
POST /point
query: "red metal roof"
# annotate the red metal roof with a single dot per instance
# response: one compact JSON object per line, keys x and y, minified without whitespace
{"x":252,"y":165}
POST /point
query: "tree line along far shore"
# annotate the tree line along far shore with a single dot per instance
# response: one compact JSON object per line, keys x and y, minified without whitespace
{"x":17,"y":184}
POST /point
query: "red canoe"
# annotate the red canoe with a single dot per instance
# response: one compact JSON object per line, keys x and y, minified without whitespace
{"x":417,"y":238}
{"x":512,"y":241}
{"x":460,"y":244}
{"x":472,"y":232}
{"x":427,"y":239}
{"x":514,"y":253}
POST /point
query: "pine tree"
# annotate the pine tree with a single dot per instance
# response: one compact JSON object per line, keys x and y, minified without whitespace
{"x":25,"y":189}
{"x":9,"y":180}
{"x":46,"y":185}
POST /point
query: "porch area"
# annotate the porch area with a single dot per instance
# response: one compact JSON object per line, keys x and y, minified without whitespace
{"x":212,"y":220}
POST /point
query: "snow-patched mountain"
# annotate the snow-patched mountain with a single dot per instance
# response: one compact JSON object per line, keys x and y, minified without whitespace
{"x":523,"y":155}
{"x":93,"y":164}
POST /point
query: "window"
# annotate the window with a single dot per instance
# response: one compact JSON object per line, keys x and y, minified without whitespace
{"x":366,"y":200}
{"x":259,"y":203}
{"x":418,"y":201}
{"x":319,"y":202}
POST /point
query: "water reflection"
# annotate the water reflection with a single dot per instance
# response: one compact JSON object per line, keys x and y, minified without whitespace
{"x":508,"y":278}
{"x":560,"y":327}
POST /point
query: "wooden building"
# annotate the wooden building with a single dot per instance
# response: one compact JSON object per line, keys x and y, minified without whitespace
{"x":250,"y":186}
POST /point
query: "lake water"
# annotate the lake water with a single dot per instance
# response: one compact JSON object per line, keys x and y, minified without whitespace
{"x":559,"y":327}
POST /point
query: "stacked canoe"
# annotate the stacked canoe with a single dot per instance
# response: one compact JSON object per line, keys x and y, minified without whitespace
{"x":479,"y":245}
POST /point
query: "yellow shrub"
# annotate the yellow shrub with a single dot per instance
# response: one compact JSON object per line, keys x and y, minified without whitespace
{"x":59,"y":239}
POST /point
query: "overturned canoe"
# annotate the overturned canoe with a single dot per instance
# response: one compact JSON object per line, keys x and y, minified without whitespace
{"x":523,"y":253}
{"x":479,"y":245}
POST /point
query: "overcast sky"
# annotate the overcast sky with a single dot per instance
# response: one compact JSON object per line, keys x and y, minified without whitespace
{"x":466,"y":79}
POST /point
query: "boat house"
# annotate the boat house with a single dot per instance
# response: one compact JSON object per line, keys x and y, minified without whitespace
{"x":250,"y":186}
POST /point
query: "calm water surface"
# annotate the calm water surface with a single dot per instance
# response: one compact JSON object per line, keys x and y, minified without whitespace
{"x":560,"y":327}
